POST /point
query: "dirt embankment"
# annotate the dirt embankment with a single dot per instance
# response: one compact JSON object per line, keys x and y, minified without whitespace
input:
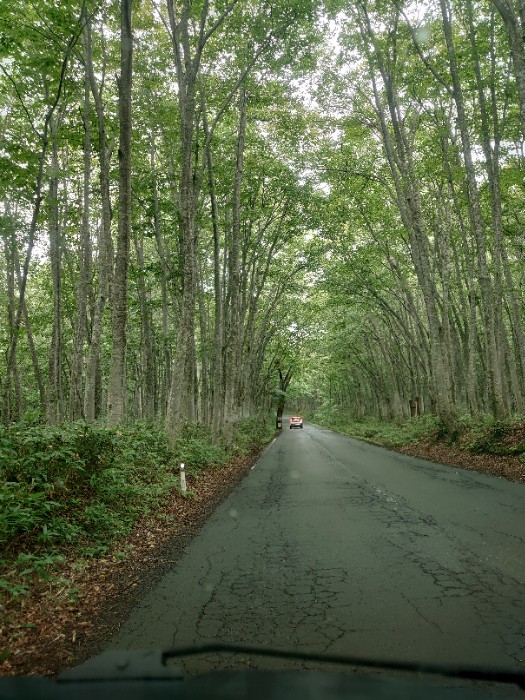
{"x":490,"y":453}
{"x":510,"y":468}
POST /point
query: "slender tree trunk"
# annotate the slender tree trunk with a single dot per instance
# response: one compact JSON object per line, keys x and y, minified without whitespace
{"x":166,"y":355}
{"x":491,"y":140}
{"x":37,"y":201}
{"x":284,"y":382}
{"x":16,"y":322}
{"x":515,"y":26}
{"x":399,"y":156}
{"x":13,"y":268}
{"x":117,"y":386}
{"x":76,"y":392}
{"x":217,"y":365}
{"x":233,"y":351}
{"x":188,"y":55}
{"x":181,"y":398}
{"x":11,"y":408}
{"x":204,"y":378}
{"x":147,"y":350}
{"x":93,"y":385}
{"x":54,"y":406}
{"x":180,"y":404}
{"x":471,"y":346}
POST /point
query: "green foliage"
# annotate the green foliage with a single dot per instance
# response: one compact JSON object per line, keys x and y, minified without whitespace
{"x":14,"y":589}
{"x":484,"y":435}
{"x":22,"y":509}
{"x":57,"y":457}
{"x":194,"y":447}
{"x":29,"y":566}
{"x":79,"y":484}
{"x":251,"y":433}
{"x":380,"y":432}
{"x":480,"y":435}
{"x":38,"y":564}
{"x":77,"y":488}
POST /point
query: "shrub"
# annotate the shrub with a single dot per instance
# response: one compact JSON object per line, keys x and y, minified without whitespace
{"x":22,"y":509}
{"x":195,"y":448}
{"x":44,"y":455}
{"x":78,"y":487}
{"x":389,"y":433}
{"x":494,"y":437}
{"x":78,"y":483}
{"x":251,"y":433}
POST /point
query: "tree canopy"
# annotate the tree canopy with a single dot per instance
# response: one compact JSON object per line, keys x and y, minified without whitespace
{"x":199,"y":198}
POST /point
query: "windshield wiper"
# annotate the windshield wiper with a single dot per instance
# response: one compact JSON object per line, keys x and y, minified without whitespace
{"x":133,"y":664}
{"x":500,"y":675}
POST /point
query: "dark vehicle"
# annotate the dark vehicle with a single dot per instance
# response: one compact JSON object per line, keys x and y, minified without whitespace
{"x":137,"y":675}
{"x":296,"y":422}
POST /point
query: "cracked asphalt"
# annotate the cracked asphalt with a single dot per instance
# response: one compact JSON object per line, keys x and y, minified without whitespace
{"x":330,"y":544}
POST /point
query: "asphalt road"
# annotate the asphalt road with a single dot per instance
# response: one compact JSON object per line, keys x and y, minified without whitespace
{"x":330,"y":544}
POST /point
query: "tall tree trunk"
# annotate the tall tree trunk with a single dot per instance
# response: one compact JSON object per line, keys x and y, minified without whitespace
{"x":400,"y":158}
{"x":54,"y":384}
{"x":147,"y":350}
{"x":11,"y":406}
{"x":180,"y":403}
{"x":515,"y":25}
{"x":37,"y":201}
{"x":13,"y":268}
{"x":165,"y":364}
{"x":491,"y":140}
{"x":203,"y":379}
{"x":92,"y":390}
{"x":16,"y":322}
{"x":233,"y":351}
{"x":117,"y":387}
{"x":217,"y":364}
{"x":187,"y":56}
{"x":470,"y":355}
{"x":284,"y":382}
{"x":76,"y":391}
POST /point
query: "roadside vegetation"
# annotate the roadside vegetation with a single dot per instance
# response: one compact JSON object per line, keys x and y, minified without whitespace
{"x":68,"y":494}
{"x":478,"y":443}
{"x":375,"y":430}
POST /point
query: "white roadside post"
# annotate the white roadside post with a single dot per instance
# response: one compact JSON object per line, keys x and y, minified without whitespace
{"x":182,"y":479}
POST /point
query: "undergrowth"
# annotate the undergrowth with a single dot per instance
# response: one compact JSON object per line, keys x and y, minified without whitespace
{"x":480,"y":435}
{"x":484,"y":435}
{"x":70,"y":492}
{"x":371,"y":429}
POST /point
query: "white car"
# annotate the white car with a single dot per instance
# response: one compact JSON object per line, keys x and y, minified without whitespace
{"x":296,"y":422}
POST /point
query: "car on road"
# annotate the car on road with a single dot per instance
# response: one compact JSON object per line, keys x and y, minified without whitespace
{"x":296,"y":422}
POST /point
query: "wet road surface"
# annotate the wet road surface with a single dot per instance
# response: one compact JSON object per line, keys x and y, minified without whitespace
{"x":330,"y":544}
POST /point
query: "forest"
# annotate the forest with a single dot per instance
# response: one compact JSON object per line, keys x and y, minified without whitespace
{"x":197,"y":196}
{"x":210,"y":208}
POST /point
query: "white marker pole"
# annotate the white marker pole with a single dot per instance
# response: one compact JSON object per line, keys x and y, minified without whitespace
{"x":182,"y":479}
